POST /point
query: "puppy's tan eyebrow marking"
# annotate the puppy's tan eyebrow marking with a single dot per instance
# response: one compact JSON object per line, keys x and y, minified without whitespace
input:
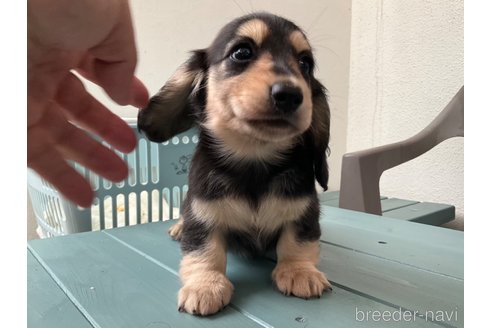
{"x":255,"y":29}
{"x":299,"y":41}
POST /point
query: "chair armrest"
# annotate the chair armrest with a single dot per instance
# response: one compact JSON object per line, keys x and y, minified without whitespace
{"x":361,"y":170}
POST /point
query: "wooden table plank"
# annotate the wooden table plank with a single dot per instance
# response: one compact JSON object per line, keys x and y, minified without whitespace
{"x":338,"y":308}
{"x":426,"y":247}
{"x":386,"y":259}
{"x":255,"y":295}
{"x":328,"y":195}
{"x":428,"y":213}
{"x":394,"y":203}
{"x":330,"y":202}
{"x":133,"y":274}
{"x":47,"y":304}
{"x":118,"y":287}
{"x":331,"y":198}
{"x":395,"y":284}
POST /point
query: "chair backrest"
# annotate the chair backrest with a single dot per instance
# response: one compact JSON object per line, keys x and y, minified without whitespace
{"x":361,"y":170}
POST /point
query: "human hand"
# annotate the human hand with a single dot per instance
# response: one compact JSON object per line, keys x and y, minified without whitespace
{"x":95,"y":39}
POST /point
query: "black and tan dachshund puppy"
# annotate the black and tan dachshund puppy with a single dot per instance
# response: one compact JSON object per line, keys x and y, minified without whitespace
{"x":264,"y":129}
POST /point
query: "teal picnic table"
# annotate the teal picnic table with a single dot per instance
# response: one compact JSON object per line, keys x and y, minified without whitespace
{"x":385,"y":272}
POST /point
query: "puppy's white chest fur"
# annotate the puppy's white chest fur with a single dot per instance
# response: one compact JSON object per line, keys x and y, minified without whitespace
{"x":237,"y":214}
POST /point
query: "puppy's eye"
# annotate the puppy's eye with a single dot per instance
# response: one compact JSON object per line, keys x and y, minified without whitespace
{"x":306,"y":64}
{"x":242,"y":53}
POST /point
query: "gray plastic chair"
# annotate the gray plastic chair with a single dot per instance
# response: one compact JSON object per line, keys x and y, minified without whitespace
{"x":361,"y":170}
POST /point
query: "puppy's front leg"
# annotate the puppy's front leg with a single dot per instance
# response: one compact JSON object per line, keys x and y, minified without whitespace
{"x":206,"y":289}
{"x":176,"y":229}
{"x":296,"y":271}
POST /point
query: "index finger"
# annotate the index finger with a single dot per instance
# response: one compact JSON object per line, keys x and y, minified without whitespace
{"x":90,"y":114}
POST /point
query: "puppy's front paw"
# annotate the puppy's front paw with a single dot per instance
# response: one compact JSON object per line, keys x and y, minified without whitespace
{"x":206,"y":295}
{"x":300,"y":279}
{"x":176,"y":230}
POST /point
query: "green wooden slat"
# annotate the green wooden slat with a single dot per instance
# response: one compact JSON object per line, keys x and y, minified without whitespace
{"x":328,"y":195}
{"x":422,"y":262}
{"x":430,"y":248}
{"x":428,"y":213}
{"x":331,"y":198}
{"x":330,"y":202}
{"x":118,"y":287}
{"x":254,"y":293}
{"x":396,"y":283}
{"x":394,"y":203}
{"x":47,"y":305}
{"x":369,"y":278}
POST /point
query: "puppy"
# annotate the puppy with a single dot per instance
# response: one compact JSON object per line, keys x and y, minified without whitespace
{"x":264,"y":128}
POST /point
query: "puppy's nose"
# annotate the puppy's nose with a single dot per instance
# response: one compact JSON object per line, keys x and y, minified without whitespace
{"x":286,"y":97}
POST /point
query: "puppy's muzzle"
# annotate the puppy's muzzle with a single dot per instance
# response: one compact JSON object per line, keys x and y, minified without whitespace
{"x":286,"y":97}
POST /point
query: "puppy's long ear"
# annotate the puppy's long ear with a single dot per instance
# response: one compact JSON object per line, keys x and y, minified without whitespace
{"x":174,"y":108}
{"x":320,"y":132}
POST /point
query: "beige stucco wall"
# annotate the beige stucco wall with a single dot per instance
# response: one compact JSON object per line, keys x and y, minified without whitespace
{"x":167,"y":30}
{"x":406,"y":64}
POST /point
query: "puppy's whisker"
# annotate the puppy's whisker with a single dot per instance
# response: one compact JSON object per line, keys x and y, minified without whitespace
{"x":252,"y":9}
{"x":239,"y":6}
{"x":331,"y":51}
{"x":316,"y":19}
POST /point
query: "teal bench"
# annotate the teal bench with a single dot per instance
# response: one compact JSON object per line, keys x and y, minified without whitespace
{"x":409,"y":210}
{"x":127,"y":277}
